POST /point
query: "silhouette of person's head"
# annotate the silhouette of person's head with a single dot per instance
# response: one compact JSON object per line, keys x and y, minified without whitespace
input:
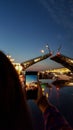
{"x":14,"y":112}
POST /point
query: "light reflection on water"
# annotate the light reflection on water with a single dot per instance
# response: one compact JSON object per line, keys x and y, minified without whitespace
{"x":61,"y":95}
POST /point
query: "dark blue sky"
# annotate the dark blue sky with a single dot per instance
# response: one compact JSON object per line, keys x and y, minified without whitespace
{"x":26,"y":26}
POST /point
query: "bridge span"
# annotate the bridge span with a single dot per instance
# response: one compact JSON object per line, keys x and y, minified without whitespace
{"x":30,"y":62}
{"x":63,"y":60}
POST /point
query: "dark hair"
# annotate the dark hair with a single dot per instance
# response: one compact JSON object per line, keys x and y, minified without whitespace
{"x":14,"y":112}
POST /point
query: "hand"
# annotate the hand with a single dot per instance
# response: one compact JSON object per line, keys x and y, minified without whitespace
{"x":39,"y":95}
{"x":41,"y":100}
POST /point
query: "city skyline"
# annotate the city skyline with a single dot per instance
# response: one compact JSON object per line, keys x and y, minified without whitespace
{"x":27,"y":26}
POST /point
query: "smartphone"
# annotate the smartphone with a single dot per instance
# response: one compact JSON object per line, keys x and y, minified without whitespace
{"x":31,"y":84}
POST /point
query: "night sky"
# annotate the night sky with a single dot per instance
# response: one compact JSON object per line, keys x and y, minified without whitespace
{"x":26,"y":26}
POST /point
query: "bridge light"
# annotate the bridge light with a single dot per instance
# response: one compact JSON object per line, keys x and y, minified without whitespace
{"x":18,"y":68}
{"x":36,"y":60}
{"x":47,"y":46}
{"x":42,"y":51}
{"x":58,"y":53}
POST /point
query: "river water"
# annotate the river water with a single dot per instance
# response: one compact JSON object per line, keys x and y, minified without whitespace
{"x":60,"y":95}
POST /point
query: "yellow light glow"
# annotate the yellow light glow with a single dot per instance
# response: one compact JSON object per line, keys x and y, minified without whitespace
{"x":36,"y":60}
{"x":42,"y":51}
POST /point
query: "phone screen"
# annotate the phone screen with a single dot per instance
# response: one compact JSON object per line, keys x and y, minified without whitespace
{"x":31,"y":83}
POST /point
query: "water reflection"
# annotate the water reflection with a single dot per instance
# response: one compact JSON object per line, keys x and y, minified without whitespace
{"x":58,"y":93}
{"x":61,"y":95}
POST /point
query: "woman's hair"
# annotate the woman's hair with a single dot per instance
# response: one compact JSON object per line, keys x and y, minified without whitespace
{"x":14,"y":113}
